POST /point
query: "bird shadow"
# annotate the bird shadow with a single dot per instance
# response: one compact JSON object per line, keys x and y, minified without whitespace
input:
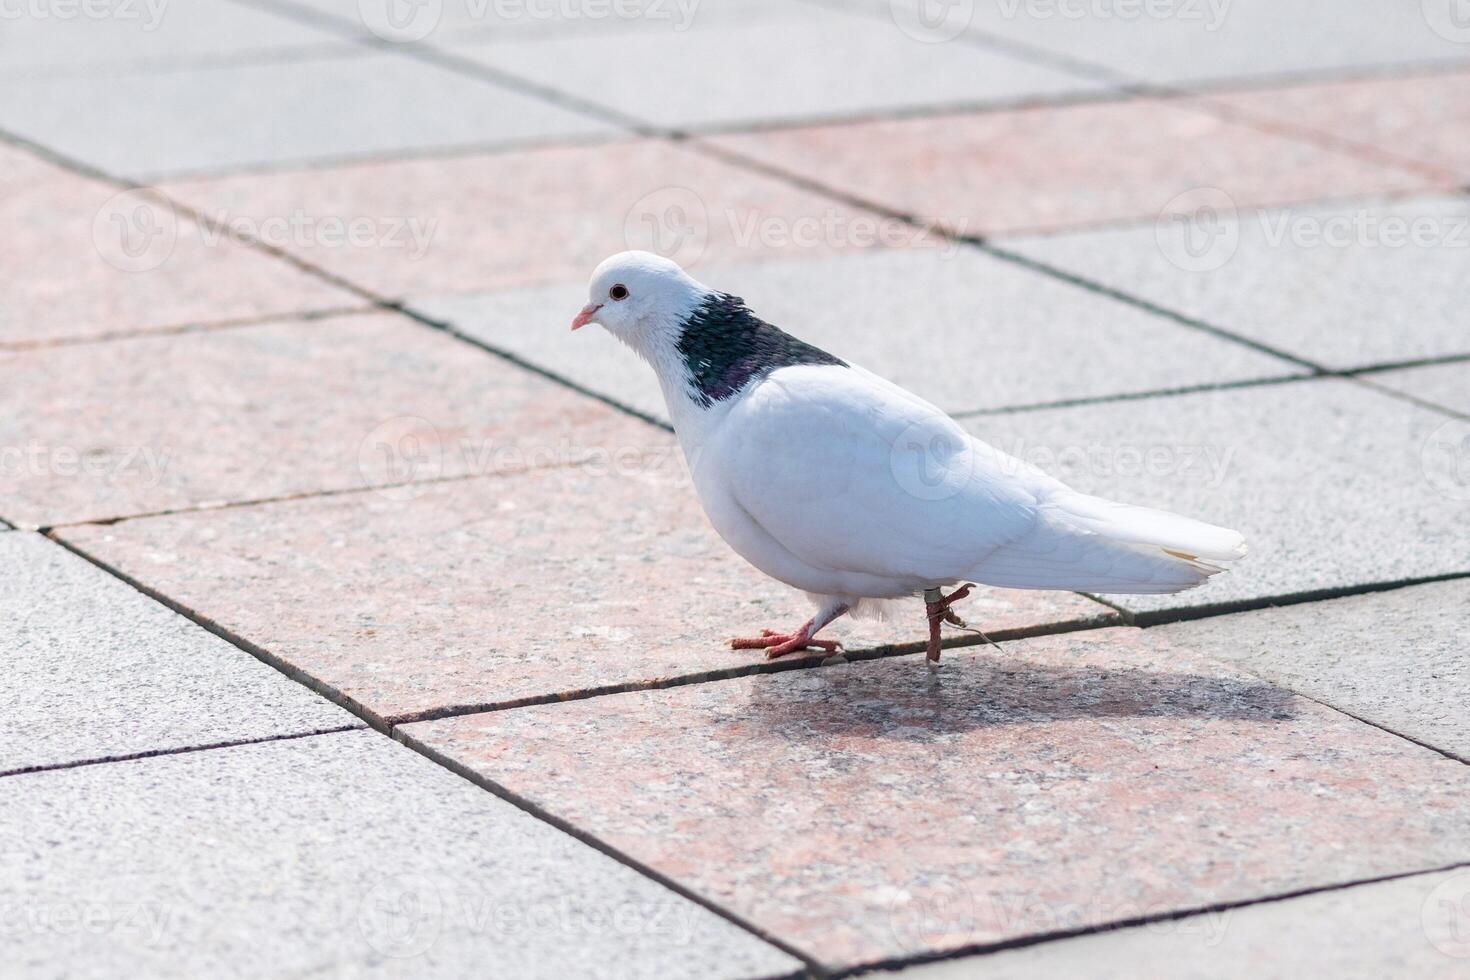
{"x":911,"y":701}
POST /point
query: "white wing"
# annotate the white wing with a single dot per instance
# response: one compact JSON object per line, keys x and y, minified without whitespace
{"x":850,"y":473}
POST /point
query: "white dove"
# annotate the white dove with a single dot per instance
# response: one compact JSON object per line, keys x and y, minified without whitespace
{"x":844,"y":485}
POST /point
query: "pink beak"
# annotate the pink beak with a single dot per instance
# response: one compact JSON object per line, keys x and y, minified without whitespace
{"x":585,"y":317}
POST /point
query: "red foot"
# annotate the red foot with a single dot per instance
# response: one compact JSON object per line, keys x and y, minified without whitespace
{"x":939,"y":612}
{"x":779,"y":644}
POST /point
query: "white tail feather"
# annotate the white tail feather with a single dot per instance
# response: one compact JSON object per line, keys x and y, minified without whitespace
{"x":1088,"y":544}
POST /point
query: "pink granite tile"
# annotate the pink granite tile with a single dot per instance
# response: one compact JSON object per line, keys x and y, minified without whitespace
{"x":878,"y":810}
{"x":493,"y":591}
{"x":1423,"y":119}
{"x":513,"y":218}
{"x":1063,"y":166}
{"x":161,"y":423}
{"x":84,"y":260}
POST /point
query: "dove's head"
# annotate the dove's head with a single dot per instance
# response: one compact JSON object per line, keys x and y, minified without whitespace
{"x":639,"y":298}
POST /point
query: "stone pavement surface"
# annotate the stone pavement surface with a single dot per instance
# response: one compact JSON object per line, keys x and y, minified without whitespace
{"x":359,"y":619}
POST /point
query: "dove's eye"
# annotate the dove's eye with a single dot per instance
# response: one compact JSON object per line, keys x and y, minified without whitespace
{"x":618,"y":292}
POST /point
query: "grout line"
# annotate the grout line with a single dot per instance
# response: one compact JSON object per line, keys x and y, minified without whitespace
{"x":1412,"y":399}
{"x":1129,"y":396}
{"x":323,"y":49}
{"x":186,"y":750}
{"x":1036,"y":939}
{"x":1105,"y":619}
{"x":174,"y":330}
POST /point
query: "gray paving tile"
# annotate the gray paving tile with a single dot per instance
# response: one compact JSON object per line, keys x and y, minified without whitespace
{"x":1447,"y":385}
{"x":1397,"y":658}
{"x":451,"y":19}
{"x":1408,"y":927}
{"x":753,"y":71}
{"x":343,"y":855}
{"x":963,"y":329}
{"x":1342,"y":285}
{"x":1333,"y":485}
{"x":148,"y":125}
{"x":1188,"y":41}
{"x":95,"y":669}
{"x":46,"y":39}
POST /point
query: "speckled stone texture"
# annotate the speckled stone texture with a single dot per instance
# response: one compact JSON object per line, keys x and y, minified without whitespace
{"x":955,"y":325}
{"x":162,"y":423}
{"x":1224,"y":39}
{"x":1397,"y":659}
{"x":494,"y":591}
{"x":1056,"y":167}
{"x":1447,"y":385}
{"x":764,"y":70}
{"x":94,"y":670}
{"x":514,"y":218}
{"x":141,"y":36}
{"x":283,"y":113}
{"x":1389,"y":929}
{"x":342,"y":855}
{"x":1420,"y":118}
{"x":1340,"y":285}
{"x":70,"y":263}
{"x":877,"y":810}
{"x":1333,"y":485}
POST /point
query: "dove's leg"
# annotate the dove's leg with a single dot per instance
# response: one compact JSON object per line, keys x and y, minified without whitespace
{"x":937,"y":606}
{"x":779,"y":644}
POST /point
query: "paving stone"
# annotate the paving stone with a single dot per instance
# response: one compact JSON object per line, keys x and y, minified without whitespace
{"x":514,"y":218}
{"x":161,"y":423}
{"x":1056,"y":167}
{"x":963,"y":329}
{"x":1333,"y":485}
{"x":1344,"y":285}
{"x":883,"y":809}
{"x":491,"y":592}
{"x":1401,"y":928}
{"x":1395,"y":658}
{"x":758,"y":71}
{"x":1443,"y":384}
{"x":147,"y":125}
{"x":1422,"y":118}
{"x":42,"y":39}
{"x":89,"y":261}
{"x":94,"y":669}
{"x":343,"y":855}
{"x":1222,"y":39}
